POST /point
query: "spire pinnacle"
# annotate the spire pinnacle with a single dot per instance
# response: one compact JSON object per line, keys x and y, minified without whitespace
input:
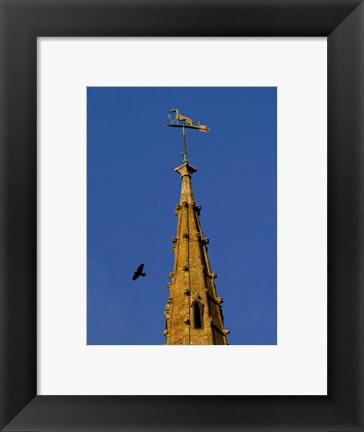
{"x":186,"y":170}
{"x":193,"y":314}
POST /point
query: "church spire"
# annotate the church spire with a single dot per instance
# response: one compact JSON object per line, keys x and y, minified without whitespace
{"x":193,"y":311}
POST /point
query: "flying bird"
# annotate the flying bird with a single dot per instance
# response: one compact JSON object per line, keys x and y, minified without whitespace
{"x":139,"y":272}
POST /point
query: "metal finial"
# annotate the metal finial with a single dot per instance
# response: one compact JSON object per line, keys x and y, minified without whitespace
{"x":184,"y":122}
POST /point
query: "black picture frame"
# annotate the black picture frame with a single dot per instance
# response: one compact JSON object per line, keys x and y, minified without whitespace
{"x":22,"y":21}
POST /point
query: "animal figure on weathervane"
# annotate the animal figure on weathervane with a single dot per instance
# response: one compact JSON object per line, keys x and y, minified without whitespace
{"x":139,"y":272}
{"x":185,"y":121}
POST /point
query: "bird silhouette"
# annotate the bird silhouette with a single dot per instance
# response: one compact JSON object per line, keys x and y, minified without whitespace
{"x":139,"y":272}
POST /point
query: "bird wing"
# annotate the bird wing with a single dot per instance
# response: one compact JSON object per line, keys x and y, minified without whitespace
{"x":135,"y":276}
{"x":140,"y":268}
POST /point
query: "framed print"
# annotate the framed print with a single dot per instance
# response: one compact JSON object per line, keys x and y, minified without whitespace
{"x":26,"y":401}
{"x":268,"y":98}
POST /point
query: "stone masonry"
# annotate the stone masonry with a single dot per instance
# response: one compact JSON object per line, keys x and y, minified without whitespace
{"x":193,"y":311}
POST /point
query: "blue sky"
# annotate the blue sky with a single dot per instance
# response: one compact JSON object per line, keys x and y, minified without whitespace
{"x":132,"y":190}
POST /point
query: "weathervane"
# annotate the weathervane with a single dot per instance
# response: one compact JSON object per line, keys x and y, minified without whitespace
{"x":184,"y":122}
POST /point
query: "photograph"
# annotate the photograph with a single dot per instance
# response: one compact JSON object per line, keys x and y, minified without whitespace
{"x":182,"y":216}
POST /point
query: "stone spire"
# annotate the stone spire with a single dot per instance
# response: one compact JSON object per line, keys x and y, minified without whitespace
{"x":193,"y":312}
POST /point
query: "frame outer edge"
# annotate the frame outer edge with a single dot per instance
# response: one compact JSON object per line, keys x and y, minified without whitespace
{"x":346,"y":215}
{"x":18,"y":389}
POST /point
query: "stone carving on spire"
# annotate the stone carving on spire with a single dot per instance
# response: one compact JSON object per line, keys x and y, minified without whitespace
{"x":195,"y":315}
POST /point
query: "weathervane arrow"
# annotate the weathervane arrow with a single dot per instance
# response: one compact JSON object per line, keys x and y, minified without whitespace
{"x":184,"y":122}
